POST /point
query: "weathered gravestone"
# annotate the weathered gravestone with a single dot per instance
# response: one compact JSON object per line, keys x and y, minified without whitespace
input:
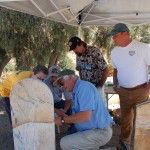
{"x":142,"y":127}
{"x":32,"y":116}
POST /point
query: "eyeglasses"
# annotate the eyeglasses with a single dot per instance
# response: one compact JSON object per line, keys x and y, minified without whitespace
{"x":55,"y":70}
{"x":41,"y":79}
{"x":60,"y":83}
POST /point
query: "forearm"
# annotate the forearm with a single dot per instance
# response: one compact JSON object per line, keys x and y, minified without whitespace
{"x":56,"y":110}
{"x":78,"y":117}
{"x":103,"y":77}
{"x":67,"y":105}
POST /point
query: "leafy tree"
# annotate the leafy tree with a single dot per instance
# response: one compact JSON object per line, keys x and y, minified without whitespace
{"x":141,"y":33}
{"x":97,"y":36}
{"x":31,"y":40}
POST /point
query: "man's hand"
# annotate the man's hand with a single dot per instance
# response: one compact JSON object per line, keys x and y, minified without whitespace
{"x":58,"y":121}
{"x":104,"y":76}
{"x":60,"y":112}
{"x":148,"y":86}
{"x":116,"y":88}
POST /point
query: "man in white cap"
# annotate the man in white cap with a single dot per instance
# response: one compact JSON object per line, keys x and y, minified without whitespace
{"x":61,"y":106}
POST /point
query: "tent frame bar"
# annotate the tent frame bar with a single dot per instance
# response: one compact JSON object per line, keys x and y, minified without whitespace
{"x":37,"y":6}
{"x":58,"y":10}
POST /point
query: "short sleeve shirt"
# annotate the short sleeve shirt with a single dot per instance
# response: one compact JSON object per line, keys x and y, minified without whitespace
{"x":131,"y":63}
{"x":87,"y":98}
{"x":91,"y":64}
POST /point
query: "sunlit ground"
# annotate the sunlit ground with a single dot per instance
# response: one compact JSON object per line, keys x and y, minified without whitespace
{"x":113,"y":102}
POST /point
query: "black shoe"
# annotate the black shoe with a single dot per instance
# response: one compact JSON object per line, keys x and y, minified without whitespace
{"x":123,"y":146}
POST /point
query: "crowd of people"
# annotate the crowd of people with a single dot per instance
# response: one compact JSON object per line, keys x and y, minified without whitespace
{"x":80,"y":100}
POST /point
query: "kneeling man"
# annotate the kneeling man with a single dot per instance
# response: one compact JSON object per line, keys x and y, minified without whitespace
{"x":92,"y":122}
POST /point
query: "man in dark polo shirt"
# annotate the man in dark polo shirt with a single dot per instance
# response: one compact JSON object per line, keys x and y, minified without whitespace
{"x":91,"y":64}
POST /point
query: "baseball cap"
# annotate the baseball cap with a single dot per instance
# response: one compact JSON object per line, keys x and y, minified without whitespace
{"x":120,"y":27}
{"x":63,"y":73}
{"x":73,"y":42}
{"x":53,"y":71}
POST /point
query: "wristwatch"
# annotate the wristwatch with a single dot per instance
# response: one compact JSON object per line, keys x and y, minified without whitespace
{"x":62,"y":120}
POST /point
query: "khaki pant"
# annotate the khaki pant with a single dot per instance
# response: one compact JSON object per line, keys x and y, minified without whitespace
{"x":128,"y":100}
{"x":86,"y":140}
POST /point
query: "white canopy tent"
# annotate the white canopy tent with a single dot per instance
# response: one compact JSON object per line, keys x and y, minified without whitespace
{"x":85,"y":12}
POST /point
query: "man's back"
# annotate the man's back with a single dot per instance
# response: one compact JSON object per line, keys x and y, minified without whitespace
{"x":91,"y":64}
{"x":87,"y":98}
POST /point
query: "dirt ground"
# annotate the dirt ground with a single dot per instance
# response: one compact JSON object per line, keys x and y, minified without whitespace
{"x":6,"y":137}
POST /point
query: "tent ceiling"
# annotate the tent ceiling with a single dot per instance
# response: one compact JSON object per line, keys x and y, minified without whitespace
{"x":85,"y":12}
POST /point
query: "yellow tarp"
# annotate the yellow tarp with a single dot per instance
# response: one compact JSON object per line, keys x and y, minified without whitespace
{"x":10,"y":80}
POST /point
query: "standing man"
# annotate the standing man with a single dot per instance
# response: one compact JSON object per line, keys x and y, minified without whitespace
{"x":130,"y":60}
{"x":90,"y":63}
{"x":89,"y":115}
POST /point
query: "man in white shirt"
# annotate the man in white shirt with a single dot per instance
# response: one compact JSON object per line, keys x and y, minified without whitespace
{"x":130,"y":60}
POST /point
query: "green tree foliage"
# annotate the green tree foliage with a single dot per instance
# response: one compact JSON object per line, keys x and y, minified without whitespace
{"x":141,"y":33}
{"x":31,"y":40}
{"x":97,"y":36}
{"x":60,"y":34}
{"x":66,"y":62}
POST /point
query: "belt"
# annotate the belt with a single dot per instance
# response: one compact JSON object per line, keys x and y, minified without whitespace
{"x":136,"y":87}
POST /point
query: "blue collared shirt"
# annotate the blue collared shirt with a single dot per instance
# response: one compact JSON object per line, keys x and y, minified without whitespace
{"x":87,"y":98}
